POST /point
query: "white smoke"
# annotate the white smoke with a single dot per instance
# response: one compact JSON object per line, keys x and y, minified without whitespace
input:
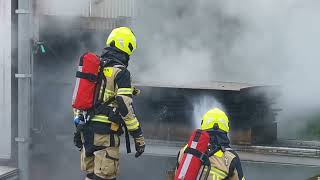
{"x":257,"y":41}
{"x":201,"y":106}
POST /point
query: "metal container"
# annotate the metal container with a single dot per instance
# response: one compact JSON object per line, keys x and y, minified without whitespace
{"x":5,"y":79}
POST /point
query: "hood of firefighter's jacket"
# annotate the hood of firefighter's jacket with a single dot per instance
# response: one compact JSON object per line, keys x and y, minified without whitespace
{"x":219,"y":138}
{"x":114,"y":56}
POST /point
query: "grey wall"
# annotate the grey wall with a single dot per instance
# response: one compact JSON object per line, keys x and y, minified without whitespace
{"x":5,"y":79}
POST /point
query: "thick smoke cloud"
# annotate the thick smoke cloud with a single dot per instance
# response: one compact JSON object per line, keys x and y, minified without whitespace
{"x":258,"y":41}
{"x":262,"y":42}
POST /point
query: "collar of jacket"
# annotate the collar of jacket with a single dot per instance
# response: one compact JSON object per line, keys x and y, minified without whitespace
{"x":219,"y":138}
{"x":113,"y":56}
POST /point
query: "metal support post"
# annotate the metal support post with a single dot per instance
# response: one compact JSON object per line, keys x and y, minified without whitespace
{"x":24,"y":12}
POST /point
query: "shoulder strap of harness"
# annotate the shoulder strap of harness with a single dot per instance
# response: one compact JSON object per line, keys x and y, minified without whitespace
{"x":95,"y":109}
{"x":215,"y":148}
{"x":203,"y":157}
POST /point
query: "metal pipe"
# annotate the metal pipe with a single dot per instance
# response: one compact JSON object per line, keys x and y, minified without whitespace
{"x":24,"y":12}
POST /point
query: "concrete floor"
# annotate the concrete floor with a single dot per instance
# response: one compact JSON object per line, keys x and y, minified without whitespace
{"x":60,"y":160}
{"x":155,"y":168}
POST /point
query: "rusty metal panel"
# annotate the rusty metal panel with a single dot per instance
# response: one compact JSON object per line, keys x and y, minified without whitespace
{"x":112,"y":8}
{"x":263,"y":134}
{"x":5,"y":79}
{"x":63,"y":7}
{"x":241,"y":136}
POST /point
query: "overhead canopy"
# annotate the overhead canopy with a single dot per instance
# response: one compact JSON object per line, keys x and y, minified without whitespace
{"x":213,"y":85}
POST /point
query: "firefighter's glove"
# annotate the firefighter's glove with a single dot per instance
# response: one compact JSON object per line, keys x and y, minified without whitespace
{"x":77,"y":140}
{"x":76,"y":120}
{"x":79,"y":119}
{"x":140,"y":145}
{"x":136,"y":92}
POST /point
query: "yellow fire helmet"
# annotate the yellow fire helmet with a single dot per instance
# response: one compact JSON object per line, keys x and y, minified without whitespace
{"x":123,"y":39}
{"x":215,"y":116}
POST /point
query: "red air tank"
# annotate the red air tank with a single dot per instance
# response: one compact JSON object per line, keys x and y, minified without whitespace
{"x":87,"y":77}
{"x":190,"y":165}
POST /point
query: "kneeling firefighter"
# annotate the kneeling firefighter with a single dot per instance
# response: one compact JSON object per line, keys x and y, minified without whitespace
{"x":208,"y":155}
{"x":99,"y":128}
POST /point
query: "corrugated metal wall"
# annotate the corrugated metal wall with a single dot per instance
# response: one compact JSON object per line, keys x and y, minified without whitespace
{"x":85,"y":8}
{"x":112,"y":8}
{"x":63,"y":7}
{"x":5,"y":79}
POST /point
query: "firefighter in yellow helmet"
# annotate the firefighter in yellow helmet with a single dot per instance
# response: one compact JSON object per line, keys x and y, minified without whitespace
{"x":100,"y":136}
{"x":225,"y":163}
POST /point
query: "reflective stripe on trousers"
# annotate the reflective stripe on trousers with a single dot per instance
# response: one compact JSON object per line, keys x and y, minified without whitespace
{"x":132,"y":124}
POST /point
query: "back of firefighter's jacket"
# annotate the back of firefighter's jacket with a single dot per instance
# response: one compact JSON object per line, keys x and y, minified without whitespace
{"x":116,"y":90}
{"x":108,"y":91}
{"x":221,"y":163}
